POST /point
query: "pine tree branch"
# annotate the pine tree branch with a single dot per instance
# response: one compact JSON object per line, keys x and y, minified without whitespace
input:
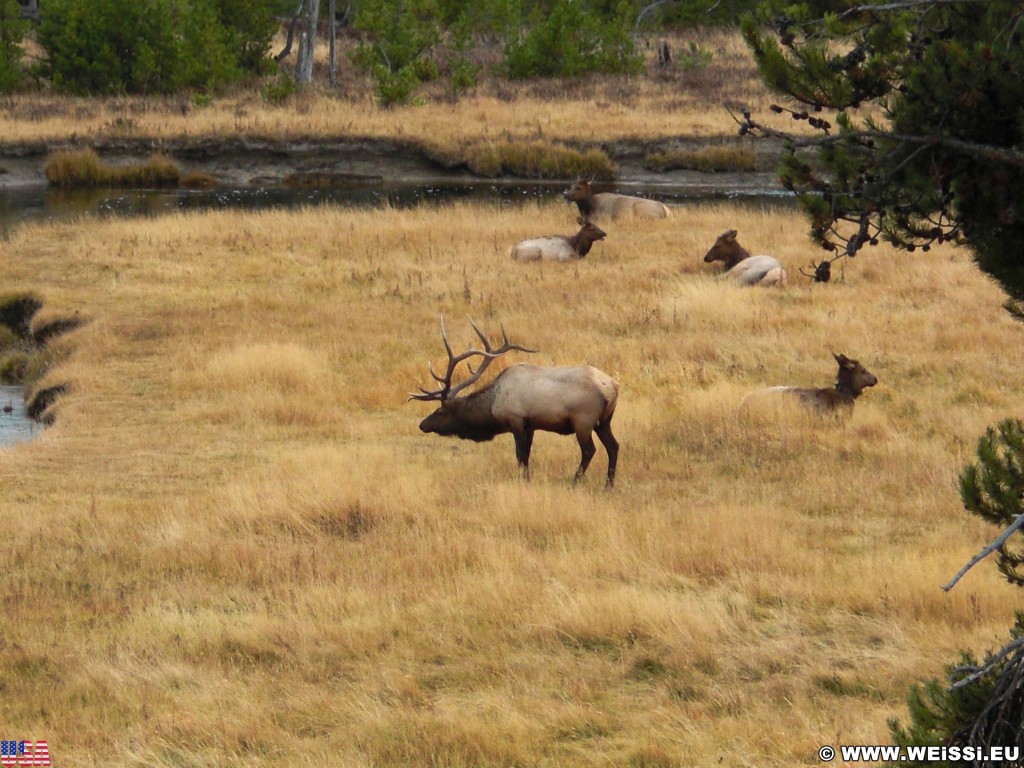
{"x":987,"y":550}
{"x":1006,"y":155}
{"x":906,"y":5}
{"x":977,"y":672}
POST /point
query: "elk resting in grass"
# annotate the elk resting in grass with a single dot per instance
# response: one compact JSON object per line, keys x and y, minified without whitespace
{"x":558,"y":247}
{"x":852,"y":379}
{"x":523,"y":399}
{"x":741,"y":266}
{"x":610,"y":205}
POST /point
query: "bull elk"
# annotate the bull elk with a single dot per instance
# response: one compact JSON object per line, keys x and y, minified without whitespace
{"x":743,"y":268}
{"x":558,"y":247}
{"x":523,"y":399}
{"x":851,"y":380}
{"x":611,"y":205}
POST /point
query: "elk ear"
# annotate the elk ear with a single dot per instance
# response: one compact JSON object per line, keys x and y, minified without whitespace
{"x":729,"y":236}
{"x":843,"y":360}
{"x":582,"y":221}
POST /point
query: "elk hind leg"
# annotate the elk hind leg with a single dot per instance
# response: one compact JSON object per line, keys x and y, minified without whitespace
{"x":587,"y":451}
{"x":611,"y":445}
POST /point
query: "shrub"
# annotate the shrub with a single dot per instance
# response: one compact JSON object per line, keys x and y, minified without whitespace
{"x":150,"y":46}
{"x":402,"y":35}
{"x":568,"y":41}
{"x":693,"y":58}
{"x":278,"y":90}
{"x":395,"y":87}
{"x":12,"y":30}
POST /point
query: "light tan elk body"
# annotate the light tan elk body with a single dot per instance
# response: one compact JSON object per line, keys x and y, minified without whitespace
{"x":523,"y":399}
{"x":558,"y":247}
{"x":851,"y":380}
{"x":611,"y":205}
{"x":741,"y":266}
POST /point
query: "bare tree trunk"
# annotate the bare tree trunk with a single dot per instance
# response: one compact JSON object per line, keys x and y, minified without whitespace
{"x":331,"y":62}
{"x":307,"y":42}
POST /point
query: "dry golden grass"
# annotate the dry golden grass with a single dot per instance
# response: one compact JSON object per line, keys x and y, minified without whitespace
{"x":235,"y":548}
{"x":662,"y":104}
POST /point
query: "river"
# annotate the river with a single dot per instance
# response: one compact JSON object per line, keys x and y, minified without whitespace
{"x":45,"y":204}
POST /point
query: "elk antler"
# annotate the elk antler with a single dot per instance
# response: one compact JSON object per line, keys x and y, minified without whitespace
{"x":488,"y":354}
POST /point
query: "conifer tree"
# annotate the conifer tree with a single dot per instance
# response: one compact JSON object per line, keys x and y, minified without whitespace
{"x":982,"y":704}
{"x":12,"y":30}
{"x":927,"y":144}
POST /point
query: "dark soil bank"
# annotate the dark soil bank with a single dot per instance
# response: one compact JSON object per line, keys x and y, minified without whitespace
{"x":262,"y":163}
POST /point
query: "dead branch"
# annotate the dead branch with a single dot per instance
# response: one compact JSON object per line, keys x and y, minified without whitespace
{"x":293,"y":22}
{"x":1006,"y":155}
{"x":986,"y":551}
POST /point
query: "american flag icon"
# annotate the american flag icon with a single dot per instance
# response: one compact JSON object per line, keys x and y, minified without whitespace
{"x":24,"y":753}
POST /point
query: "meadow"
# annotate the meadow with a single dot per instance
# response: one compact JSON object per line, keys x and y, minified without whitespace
{"x":235,"y":548}
{"x":682,"y":101}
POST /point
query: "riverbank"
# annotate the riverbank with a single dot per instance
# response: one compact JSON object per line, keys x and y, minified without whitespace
{"x":246,"y":139}
{"x":241,"y":162}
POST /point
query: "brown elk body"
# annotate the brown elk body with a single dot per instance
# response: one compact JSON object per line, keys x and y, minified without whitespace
{"x":743,"y":268}
{"x":558,"y":247}
{"x":851,"y":380}
{"x":524,"y":399}
{"x":611,"y":205}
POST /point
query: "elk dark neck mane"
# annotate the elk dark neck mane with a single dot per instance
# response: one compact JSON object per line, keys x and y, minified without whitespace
{"x":845,"y":386}
{"x":585,"y":206}
{"x":470,"y":417}
{"x":582,"y":242}
{"x":737,"y":254}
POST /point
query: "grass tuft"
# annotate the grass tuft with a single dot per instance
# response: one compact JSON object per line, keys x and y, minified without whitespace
{"x":706,"y":160}
{"x":84,"y":168}
{"x":537,"y":159}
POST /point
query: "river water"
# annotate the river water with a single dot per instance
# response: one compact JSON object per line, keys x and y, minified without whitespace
{"x":45,"y":204}
{"x":15,"y":426}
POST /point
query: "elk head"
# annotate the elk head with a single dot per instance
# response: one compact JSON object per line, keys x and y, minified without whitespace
{"x":447,"y":419}
{"x":853,"y":377}
{"x":726,"y":249}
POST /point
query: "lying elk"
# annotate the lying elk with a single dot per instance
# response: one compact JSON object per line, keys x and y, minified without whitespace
{"x":852,"y":379}
{"x":523,"y":399}
{"x":741,"y":266}
{"x":558,"y":247}
{"x":612,"y":205}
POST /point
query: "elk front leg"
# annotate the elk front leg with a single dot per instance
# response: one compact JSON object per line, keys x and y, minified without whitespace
{"x":524,"y":441}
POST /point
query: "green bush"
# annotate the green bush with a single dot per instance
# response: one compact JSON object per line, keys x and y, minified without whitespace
{"x":567,"y":41}
{"x":396,"y":87}
{"x":12,"y":30}
{"x":278,"y":90}
{"x":403,"y":34}
{"x":150,"y":46}
{"x":249,"y":27}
